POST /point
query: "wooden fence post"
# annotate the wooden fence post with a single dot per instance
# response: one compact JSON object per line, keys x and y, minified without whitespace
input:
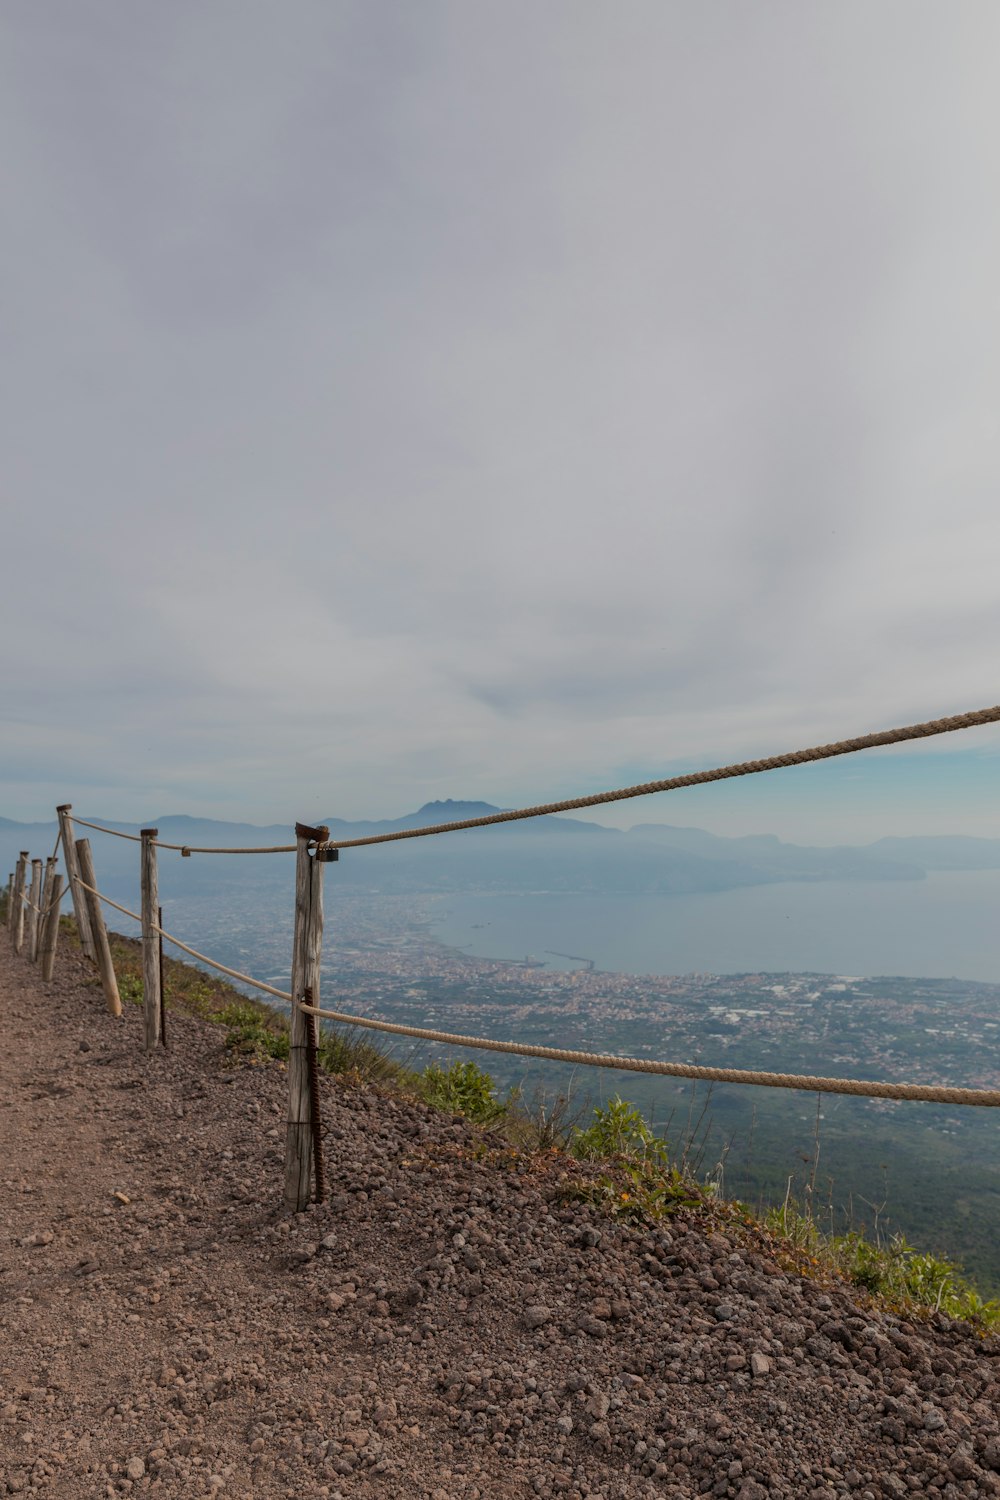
{"x":50,"y":929}
{"x":152,"y":1000}
{"x":98,"y":931}
{"x":43,"y":901}
{"x":9,"y":905}
{"x":17,"y":931}
{"x":47,"y":879}
{"x":306,"y":958}
{"x":79,"y":896}
{"x":34,"y":902}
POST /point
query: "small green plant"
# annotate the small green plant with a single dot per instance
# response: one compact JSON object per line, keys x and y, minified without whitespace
{"x":462,"y":1088}
{"x":252,"y":1033}
{"x":130,"y":988}
{"x":618,"y":1130}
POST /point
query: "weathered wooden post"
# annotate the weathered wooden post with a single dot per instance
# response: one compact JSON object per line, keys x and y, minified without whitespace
{"x":306,"y":957}
{"x":9,"y":902}
{"x":47,"y":879}
{"x":79,"y":896}
{"x":11,"y":897}
{"x":152,"y":1000}
{"x":34,"y":902}
{"x":98,"y":931}
{"x":50,"y":928}
{"x":43,"y":902}
{"x":17,"y":930}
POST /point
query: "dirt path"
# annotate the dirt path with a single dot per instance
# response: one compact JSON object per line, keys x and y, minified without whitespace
{"x":444,"y":1327}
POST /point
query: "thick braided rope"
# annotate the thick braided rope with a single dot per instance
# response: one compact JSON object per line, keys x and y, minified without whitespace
{"x":233,"y":973}
{"x":695,"y":778}
{"x":108,"y":901}
{"x":259,"y":984}
{"x":193,"y":849}
{"x":114,"y":832}
{"x":990,"y":1097}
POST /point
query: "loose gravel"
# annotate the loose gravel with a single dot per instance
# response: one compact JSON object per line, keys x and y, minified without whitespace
{"x":445,"y":1326}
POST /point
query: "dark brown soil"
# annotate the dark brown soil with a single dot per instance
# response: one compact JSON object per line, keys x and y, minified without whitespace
{"x":444,"y":1326}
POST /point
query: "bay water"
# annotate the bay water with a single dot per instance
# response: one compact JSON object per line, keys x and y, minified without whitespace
{"x":945,"y":926}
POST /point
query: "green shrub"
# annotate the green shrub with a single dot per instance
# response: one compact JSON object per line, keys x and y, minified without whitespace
{"x":618,"y":1130}
{"x":464,"y":1089}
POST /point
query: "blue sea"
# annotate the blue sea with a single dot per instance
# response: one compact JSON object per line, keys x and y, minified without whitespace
{"x":947,"y":925}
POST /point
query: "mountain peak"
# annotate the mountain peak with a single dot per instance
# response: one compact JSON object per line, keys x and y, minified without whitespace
{"x":452,"y":811}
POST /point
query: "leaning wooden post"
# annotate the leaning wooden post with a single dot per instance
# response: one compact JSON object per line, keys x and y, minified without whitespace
{"x":306,"y":957}
{"x":17,"y":902}
{"x":79,"y":896}
{"x":50,"y":928}
{"x":109,"y":980}
{"x":151,"y":997}
{"x":8,"y":910}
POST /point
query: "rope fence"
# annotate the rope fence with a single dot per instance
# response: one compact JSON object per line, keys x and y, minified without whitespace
{"x":29,"y":910}
{"x":874,"y":1089}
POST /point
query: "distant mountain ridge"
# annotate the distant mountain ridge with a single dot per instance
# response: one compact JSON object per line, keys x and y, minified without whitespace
{"x":548,"y":853}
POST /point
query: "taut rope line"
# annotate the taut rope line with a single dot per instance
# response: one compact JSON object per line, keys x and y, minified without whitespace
{"x":644,"y":789}
{"x":694,"y":778}
{"x":259,"y":984}
{"x":929,"y":1092}
{"x":182,"y":848}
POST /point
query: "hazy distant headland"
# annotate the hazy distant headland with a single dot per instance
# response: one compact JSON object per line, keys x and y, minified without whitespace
{"x":550,"y":853}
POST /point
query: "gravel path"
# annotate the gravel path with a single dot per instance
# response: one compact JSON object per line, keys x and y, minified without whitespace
{"x":444,"y":1327}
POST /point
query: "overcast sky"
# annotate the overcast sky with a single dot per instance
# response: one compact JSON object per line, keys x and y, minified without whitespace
{"x":499,"y":400}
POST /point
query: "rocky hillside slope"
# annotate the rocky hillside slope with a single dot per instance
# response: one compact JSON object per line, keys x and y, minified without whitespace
{"x":446,"y":1325}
